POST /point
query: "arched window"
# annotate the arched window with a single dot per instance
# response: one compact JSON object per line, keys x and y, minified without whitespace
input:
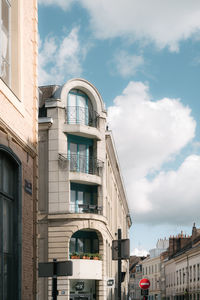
{"x":84,"y":241}
{"x":80,"y":110}
{"x":9,"y":227}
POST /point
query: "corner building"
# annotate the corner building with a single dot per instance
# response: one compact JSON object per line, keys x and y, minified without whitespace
{"x":82,"y":201}
{"x":18,"y":149}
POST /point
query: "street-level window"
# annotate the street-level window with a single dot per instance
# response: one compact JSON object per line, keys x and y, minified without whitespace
{"x":9,"y":232}
{"x":5,"y":40}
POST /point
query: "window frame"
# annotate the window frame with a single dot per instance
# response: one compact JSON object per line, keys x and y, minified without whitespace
{"x":80,"y":141}
{"x":77,"y":94}
{"x":7,"y":32}
{"x":92,"y":190}
{"x":7,"y":154}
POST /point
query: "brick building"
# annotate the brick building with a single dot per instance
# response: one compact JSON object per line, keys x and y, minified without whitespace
{"x":18,"y":149}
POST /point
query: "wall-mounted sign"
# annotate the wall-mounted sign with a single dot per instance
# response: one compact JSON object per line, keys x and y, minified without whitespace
{"x":125,"y":249}
{"x":62,"y":268}
{"x":79,"y":286}
{"x":110,"y":282}
{"x":28,"y":187}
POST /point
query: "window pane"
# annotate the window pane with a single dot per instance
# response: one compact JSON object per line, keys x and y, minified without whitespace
{"x":73,"y":148}
{"x":72,"y":245}
{"x":72,"y":100}
{"x":88,"y":198}
{"x":7,"y":226}
{"x":95,"y":246}
{"x":7,"y":177}
{"x":73,"y":157}
{"x":87,"y":246}
{"x":82,"y":158}
{"x":72,"y":111}
{"x":80,"y":245}
{"x":5,"y":14}
{"x":82,"y":110}
{"x":81,"y":101}
{"x":8,"y":271}
{"x":73,"y":201}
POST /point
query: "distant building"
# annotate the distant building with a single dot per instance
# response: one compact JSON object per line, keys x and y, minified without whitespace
{"x":18,"y":149}
{"x":136,"y":275}
{"x":161,"y":246}
{"x":152,"y":269}
{"x":182,"y":267}
{"x":82,"y":201}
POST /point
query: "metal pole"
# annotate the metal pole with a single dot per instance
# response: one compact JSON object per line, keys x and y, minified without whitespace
{"x":54,"y":280}
{"x":119,"y":263}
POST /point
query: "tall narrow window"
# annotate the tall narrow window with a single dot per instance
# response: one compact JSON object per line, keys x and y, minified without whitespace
{"x":5,"y":40}
{"x":9,"y":234}
{"x":80,"y":154}
{"x":77,"y":108}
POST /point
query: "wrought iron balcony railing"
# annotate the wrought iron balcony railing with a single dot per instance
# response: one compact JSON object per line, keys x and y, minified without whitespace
{"x":85,"y":208}
{"x":84,"y":164}
{"x":82,"y":115}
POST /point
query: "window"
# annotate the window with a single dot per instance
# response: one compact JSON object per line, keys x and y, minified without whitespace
{"x":84,"y":242}
{"x":83,"y":198}
{"x":79,"y":109}
{"x":5,"y":40}
{"x":190,"y":273}
{"x":198,"y":272}
{"x":9,"y":224}
{"x":194,"y":273}
{"x":80,"y":154}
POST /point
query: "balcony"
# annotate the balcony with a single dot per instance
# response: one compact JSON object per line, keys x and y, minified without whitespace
{"x":84,"y":164}
{"x":85,"y":208}
{"x":87,"y":269}
{"x":81,"y":115}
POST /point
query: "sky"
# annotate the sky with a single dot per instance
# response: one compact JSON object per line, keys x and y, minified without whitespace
{"x":143,"y":56}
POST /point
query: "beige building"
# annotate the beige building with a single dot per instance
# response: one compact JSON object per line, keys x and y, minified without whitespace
{"x":135,"y":277}
{"x":152,"y":269}
{"x":82,"y":201}
{"x":18,"y":149}
{"x":182,"y":268}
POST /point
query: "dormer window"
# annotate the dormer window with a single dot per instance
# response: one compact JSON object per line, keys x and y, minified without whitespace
{"x":80,"y":110}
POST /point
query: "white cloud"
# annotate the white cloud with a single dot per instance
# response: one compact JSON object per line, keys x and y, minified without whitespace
{"x":139,"y":252}
{"x":127,"y":64}
{"x":165,"y":23}
{"x":172,"y":197}
{"x":60,"y":59}
{"x":148,"y":134}
{"x":64,"y":4}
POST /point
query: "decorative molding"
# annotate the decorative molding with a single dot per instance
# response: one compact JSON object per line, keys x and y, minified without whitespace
{"x":11,"y":136}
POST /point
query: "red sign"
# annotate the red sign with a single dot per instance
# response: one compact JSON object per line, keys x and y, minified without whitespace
{"x":144,"y":283}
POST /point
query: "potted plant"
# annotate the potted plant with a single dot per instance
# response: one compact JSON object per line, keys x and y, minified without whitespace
{"x":75,"y":255}
{"x":96,"y":256}
{"x":86,"y":256}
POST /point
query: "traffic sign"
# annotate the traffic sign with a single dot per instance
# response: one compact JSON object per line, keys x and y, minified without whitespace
{"x":144,"y":283}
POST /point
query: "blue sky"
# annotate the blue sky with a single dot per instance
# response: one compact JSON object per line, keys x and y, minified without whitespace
{"x":144,"y":58}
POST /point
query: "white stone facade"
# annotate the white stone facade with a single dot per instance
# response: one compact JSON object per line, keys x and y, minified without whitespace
{"x":82,"y":201}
